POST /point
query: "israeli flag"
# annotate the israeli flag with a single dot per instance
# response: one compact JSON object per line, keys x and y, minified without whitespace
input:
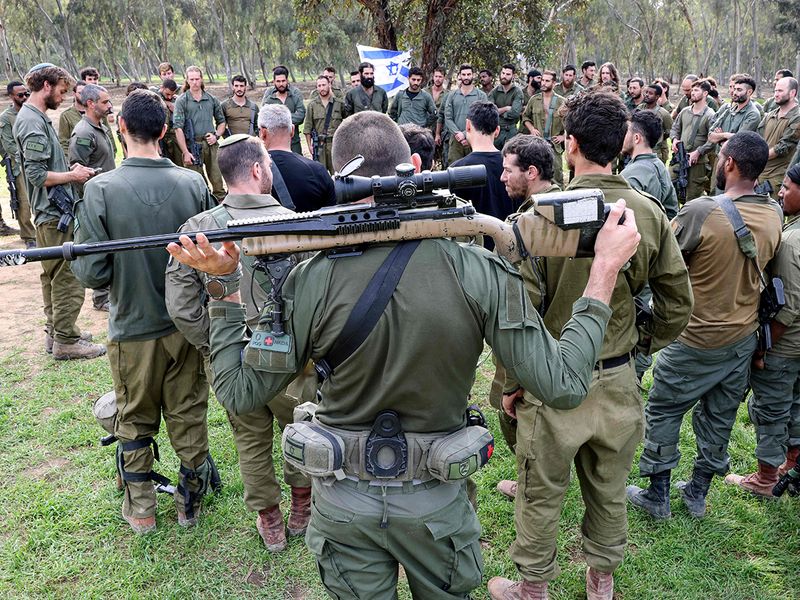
{"x":391,"y":67}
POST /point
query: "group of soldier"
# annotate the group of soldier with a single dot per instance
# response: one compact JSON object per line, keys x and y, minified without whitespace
{"x":568,"y":341}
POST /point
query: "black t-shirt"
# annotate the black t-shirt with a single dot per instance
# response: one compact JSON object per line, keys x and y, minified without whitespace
{"x":491,"y":198}
{"x":309,"y":183}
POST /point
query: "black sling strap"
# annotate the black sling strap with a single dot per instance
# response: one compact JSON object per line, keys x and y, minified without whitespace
{"x":368,"y":309}
{"x":328,"y":115}
{"x":281,"y":192}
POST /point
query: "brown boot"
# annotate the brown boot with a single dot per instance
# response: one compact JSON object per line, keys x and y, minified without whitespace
{"x":270,"y":528}
{"x":501,"y":588}
{"x":48,"y":340}
{"x":140,"y":526}
{"x":759,"y":483}
{"x":792,"y":454}
{"x":80,"y":349}
{"x":301,"y":511}
{"x":599,"y":585}
{"x":508,"y":488}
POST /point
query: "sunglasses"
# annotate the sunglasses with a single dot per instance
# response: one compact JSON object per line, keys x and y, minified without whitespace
{"x":23,"y":94}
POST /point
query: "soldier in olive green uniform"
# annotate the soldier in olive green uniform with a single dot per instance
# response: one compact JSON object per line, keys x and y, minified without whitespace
{"x":439,"y":94}
{"x":367,"y":95}
{"x":708,"y":366}
{"x":45,"y":167}
{"x":241,"y":113}
{"x":568,"y":85}
{"x":208,"y":124}
{"x":456,"y":106}
{"x":185,"y":299}
{"x":156,"y":371}
{"x":542,"y":118}
{"x":507,"y":97}
{"x":324,"y":114}
{"x":71,"y":117}
{"x":651,"y":94}
{"x":330,"y":74}
{"x":691,"y":127}
{"x":291,"y":98}
{"x":169,"y":143}
{"x":8,"y":147}
{"x":413,"y":105}
{"x":781,"y":129}
{"x":361,"y":528}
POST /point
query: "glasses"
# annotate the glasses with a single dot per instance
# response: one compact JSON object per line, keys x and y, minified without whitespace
{"x":23,"y":94}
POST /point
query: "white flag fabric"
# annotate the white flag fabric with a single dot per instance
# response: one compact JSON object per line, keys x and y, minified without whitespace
{"x":391,"y":67}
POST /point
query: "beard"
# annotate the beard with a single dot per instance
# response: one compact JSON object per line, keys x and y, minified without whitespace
{"x":367,"y":82}
{"x":50,"y":101}
{"x":722,"y":181}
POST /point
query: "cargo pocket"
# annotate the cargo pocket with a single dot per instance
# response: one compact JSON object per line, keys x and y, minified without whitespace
{"x":459,"y":531}
{"x":330,"y":571}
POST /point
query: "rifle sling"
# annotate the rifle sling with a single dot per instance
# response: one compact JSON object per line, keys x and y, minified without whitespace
{"x":744,"y":237}
{"x":328,"y":114}
{"x":279,"y":188}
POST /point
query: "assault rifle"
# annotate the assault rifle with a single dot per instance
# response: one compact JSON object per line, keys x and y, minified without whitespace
{"x":681,"y":158}
{"x":12,"y":186}
{"x":789,"y":481}
{"x":314,"y":145}
{"x":191,"y":144}
{"x":63,"y":202}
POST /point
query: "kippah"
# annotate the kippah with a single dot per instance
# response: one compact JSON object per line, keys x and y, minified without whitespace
{"x":39,"y":67}
{"x":230,"y":140}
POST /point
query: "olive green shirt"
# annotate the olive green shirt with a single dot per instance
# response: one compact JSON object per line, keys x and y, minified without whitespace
{"x":357,"y":100}
{"x":241,"y":119}
{"x":545,"y":118}
{"x":666,"y":124}
{"x":400,"y":366}
{"x":316,"y":112}
{"x":732,"y":119}
{"x":90,"y":145}
{"x":782,"y":135}
{"x":646,"y":173}
{"x":66,"y":124}
{"x":684,"y":102}
{"x":692,"y":129}
{"x":419,"y":110}
{"x":8,"y":147}
{"x":786,"y":265}
{"x":206,"y":114}
{"x":143,"y":196}
{"x":564,"y":92}
{"x":40,"y":150}
{"x":456,"y":106}
{"x":513,"y":98}
{"x":294,"y":102}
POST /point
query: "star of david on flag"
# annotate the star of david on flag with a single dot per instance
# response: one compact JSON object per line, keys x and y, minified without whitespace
{"x":391,"y":67}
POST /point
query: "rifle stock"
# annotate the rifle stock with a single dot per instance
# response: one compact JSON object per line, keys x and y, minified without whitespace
{"x":12,"y":187}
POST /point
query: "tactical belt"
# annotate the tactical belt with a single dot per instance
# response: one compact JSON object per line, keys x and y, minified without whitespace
{"x":610,"y":363}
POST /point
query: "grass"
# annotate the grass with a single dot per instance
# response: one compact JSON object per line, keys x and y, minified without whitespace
{"x":61,"y":535}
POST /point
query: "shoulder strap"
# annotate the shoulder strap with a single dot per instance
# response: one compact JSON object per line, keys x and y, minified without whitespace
{"x":328,"y":114}
{"x":744,"y":237}
{"x":548,"y":122}
{"x":253,"y":119}
{"x":368,"y":309}
{"x":279,"y":187}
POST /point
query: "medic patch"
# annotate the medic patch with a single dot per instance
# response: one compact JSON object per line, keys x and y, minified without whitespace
{"x":266,"y":340}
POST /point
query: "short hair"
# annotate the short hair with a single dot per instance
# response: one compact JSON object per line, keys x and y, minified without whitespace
{"x":746,"y":80}
{"x":144,"y":113}
{"x":587,"y":63}
{"x":597,"y":120}
{"x":550,"y":72}
{"x":749,"y":151}
{"x":236,"y":159}
{"x":569,"y":68}
{"x":376,"y":137}
{"x":35,"y":80}
{"x":274,"y":118}
{"x":659,"y":90}
{"x":136,"y":85}
{"x":365,"y":65}
{"x":510,"y":67}
{"x":170,"y":85}
{"x":321,"y":77}
{"x":416,"y":71}
{"x":238,"y":79}
{"x":785,"y":73}
{"x":638,"y":80}
{"x":439,"y":70}
{"x":164,"y":67}
{"x":487,"y":71}
{"x":280,"y":70}
{"x":647,"y":124}
{"x":355,"y":73}
{"x":78,"y":85}
{"x":484,"y":117}
{"x":465,"y":67}
{"x":532,"y":150}
{"x":792,"y":83}
{"x":11,"y":85}
{"x":691,"y":77}
{"x":711,"y":80}
{"x":702,"y":84}
{"x":330,"y":70}
{"x":92,"y":92}
{"x":420,"y":141}
{"x":88,"y":72}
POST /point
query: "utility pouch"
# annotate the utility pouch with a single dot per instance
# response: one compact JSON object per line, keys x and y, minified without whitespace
{"x":304,"y":412}
{"x":460,"y":454}
{"x":314,"y":450}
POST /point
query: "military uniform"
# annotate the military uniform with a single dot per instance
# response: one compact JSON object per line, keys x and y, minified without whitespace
{"x":549,"y":123}
{"x":684,"y":102}
{"x":241,"y":119}
{"x":440,"y":152}
{"x":775,"y":405}
{"x":185,"y":301}
{"x":206,"y":115}
{"x":770,"y":105}
{"x":357,"y":99}
{"x":692,"y":129}
{"x":646,"y":173}
{"x":508,"y":120}
{"x":564,"y":92}
{"x":782,"y":135}
{"x":707,"y":367}
{"x":419,"y":109}
{"x":66,"y":123}
{"x":731,"y":118}
{"x":662,"y":147}
{"x":456,"y":106}
{"x":336,"y":90}
{"x":156,"y":371}
{"x":316,"y":115}
{"x":40,"y":152}
{"x":294,"y":102}
{"x":428,"y":525}
{"x":9,"y":147}
{"x":169,"y":143}
{"x":601,"y":435}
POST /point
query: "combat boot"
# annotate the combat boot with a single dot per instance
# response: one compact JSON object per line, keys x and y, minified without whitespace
{"x":48,"y":340}
{"x":759,"y":483}
{"x":508,"y":488}
{"x":655,"y":499}
{"x":270,"y":528}
{"x":80,"y":349}
{"x":7,"y":229}
{"x":300,"y":512}
{"x":792,"y":454}
{"x":693,"y":493}
{"x":599,"y":585}
{"x":140,"y":526}
{"x":501,"y":588}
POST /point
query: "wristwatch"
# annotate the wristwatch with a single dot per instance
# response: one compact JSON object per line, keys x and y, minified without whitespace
{"x":218,"y":287}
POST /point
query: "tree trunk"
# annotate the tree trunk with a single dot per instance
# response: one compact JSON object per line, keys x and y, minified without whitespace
{"x":219,"y":25}
{"x":436,"y":18}
{"x":384,"y":24}
{"x":164,"y":31}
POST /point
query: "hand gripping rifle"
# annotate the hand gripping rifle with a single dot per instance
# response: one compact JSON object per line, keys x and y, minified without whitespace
{"x":191,"y":144}
{"x":681,"y":158}
{"x":12,"y":186}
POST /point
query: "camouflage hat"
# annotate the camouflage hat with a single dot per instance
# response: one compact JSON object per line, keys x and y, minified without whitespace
{"x":230,"y":140}
{"x":105,"y":411}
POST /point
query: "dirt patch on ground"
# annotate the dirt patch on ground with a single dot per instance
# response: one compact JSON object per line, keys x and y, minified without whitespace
{"x":48,"y":470}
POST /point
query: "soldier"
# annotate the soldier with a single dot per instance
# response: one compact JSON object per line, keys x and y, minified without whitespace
{"x":440,"y":138}
{"x":663,"y":99}
{"x":542,"y":118}
{"x":600,"y":436}
{"x":635,"y":89}
{"x":245,"y":166}
{"x":291,"y":98}
{"x":486,"y":81}
{"x":770,"y":105}
{"x":138,"y":85}
{"x":360,"y":528}
{"x":456,"y":106}
{"x":414,"y":105}
{"x":534,"y":84}
{"x":365,"y":96}
{"x":355,"y":79}
{"x":166,"y":71}
{"x":241,"y":113}
{"x":46,"y":172}
{"x":686,"y":89}
{"x":89,"y":75}
{"x":708,"y":366}
{"x":156,"y":371}
{"x":330,"y":74}
{"x":781,"y":129}
{"x":169,"y":143}
{"x":567,"y":86}
{"x":731,"y":89}
{"x":691,"y":127}
{"x":323,"y":115}
{"x":71,"y":117}
{"x":507,"y":97}
{"x":609,"y":77}
{"x":208,"y":124}
{"x":650,"y":96}
{"x":588,"y":70}
{"x":8,"y":147}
